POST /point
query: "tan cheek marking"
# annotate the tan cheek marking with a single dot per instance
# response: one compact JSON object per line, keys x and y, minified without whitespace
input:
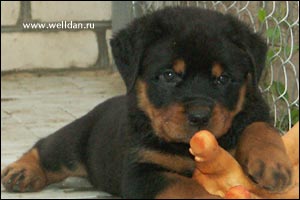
{"x":220,"y":121}
{"x":179,"y":66}
{"x":169,"y":122}
{"x":172,"y":162}
{"x":222,"y":118}
{"x":143,"y":101}
{"x":217,"y":70}
{"x":241,"y":100}
{"x":173,"y":121}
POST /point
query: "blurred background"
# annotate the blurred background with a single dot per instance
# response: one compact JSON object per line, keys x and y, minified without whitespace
{"x":51,"y":76}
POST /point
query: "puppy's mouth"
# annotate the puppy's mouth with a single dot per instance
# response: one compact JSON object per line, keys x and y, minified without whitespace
{"x":178,"y":123}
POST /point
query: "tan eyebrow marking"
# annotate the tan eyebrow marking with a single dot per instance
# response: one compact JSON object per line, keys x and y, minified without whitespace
{"x":217,"y":70}
{"x":179,"y":66}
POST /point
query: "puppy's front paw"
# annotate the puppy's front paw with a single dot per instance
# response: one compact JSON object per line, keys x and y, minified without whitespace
{"x":23,"y":177}
{"x":269,"y":168}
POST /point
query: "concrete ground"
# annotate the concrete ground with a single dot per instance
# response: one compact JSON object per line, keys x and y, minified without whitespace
{"x":35,"y":105}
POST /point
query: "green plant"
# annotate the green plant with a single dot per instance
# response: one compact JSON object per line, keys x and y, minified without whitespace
{"x":277,"y":88}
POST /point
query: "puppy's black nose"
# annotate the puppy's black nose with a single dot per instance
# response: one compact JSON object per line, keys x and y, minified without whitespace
{"x":199,"y":118}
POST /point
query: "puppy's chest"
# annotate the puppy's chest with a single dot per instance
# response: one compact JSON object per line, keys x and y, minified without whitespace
{"x":181,"y":164}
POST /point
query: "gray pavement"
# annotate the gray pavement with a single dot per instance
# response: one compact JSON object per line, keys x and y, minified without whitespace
{"x":35,"y":105}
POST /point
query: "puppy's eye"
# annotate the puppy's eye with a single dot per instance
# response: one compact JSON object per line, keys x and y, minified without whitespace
{"x":168,"y":76}
{"x":222,"y":80}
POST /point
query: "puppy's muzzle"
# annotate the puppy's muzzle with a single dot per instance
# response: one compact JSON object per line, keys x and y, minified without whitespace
{"x":198,"y":112}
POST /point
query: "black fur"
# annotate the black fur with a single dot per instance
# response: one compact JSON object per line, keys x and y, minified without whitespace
{"x":108,"y":139}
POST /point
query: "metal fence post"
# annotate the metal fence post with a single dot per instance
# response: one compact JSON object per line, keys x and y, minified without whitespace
{"x":121,"y":16}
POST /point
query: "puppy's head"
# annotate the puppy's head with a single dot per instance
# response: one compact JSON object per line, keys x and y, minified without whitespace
{"x":189,"y":68}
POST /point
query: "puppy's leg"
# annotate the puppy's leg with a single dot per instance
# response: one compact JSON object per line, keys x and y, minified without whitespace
{"x":52,"y":159}
{"x":149,"y":181}
{"x":262,"y":155}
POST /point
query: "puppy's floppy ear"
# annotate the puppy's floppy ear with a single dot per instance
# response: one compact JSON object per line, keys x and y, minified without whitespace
{"x":252,"y":43}
{"x":256,"y":50}
{"x":127,"y":50}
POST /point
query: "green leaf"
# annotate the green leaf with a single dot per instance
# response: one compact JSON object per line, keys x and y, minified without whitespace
{"x":270,"y":54}
{"x":288,"y":49}
{"x":296,"y":48}
{"x":295,"y":115}
{"x":273,"y":34}
{"x":262,"y":15}
{"x":278,"y":88}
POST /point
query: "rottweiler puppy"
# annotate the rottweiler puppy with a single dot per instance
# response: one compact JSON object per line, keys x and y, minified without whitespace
{"x":185,"y":69}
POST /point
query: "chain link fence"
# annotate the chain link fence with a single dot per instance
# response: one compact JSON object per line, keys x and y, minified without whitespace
{"x":278,"y":22}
